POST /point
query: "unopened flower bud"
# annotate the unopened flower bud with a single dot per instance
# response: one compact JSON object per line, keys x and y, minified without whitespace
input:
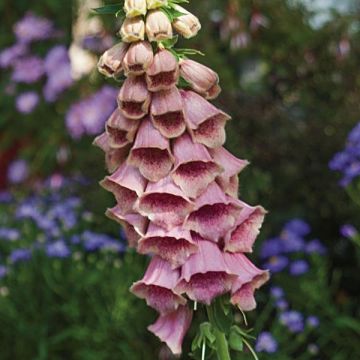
{"x":138,"y":58}
{"x":134,"y":8}
{"x":153,"y":4}
{"x":111,"y":61}
{"x":187,"y":25}
{"x":132,"y":29}
{"x":158,"y":26}
{"x":202,"y":79}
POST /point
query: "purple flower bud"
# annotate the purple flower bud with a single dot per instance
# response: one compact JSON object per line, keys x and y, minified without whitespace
{"x":20,"y":255}
{"x":9,"y":234}
{"x":28,"y":70}
{"x":58,"y":249}
{"x":277,"y":292}
{"x":266,"y":343}
{"x":293,"y":320}
{"x":299,"y":267}
{"x":298,"y":227}
{"x":12,"y":53}
{"x":315,"y":246}
{"x":3,"y":271}
{"x":282,"y":304}
{"x":18,"y":171}
{"x":348,"y":231}
{"x":313,"y":321}
{"x":27,"y":102}
{"x":277,"y":263}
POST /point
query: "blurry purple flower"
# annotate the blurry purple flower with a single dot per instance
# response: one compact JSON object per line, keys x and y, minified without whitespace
{"x":271,"y":247}
{"x":58,"y":249}
{"x":9,"y":234}
{"x":3,"y":271}
{"x":266,"y":343}
{"x":27,"y":102}
{"x":5,"y":197}
{"x":12,"y":53}
{"x":28,"y":70}
{"x":348,"y":231}
{"x":97,"y":43}
{"x":354,"y":135}
{"x":313,"y":321}
{"x":298,"y":227}
{"x":58,"y":69}
{"x":277,"y":292}
{"x":282,"y":304}
{"x":94,"y":241}
{"x":18,"y":171}
{"x":20,"y":255}
{"x":277,"y":263}
{"x":339,"y":161}
{"x":292,"y":242}
{"x":315,"y":246}
{"x":89,"y":115}
{"x":299,"y":267}
{"x":293,"y":320}
{"x":75,"y":239}
{"x":33,"y":28}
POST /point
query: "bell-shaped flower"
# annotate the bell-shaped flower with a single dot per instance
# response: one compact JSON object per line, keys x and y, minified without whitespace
{"x":138,"y":58}
{"x":214,"y":214}
{"x":174,"y":246}
{"x":134,"y":8}
{"x":154,"y":4}
{"x":194,"y":168}
{"x":202,"y":79}
{"x":249,"y":278}
{"x":172,"y":328}
{"x":205,"y":121}
{"x":134,"y":98}
{"x":133,"y":224}
{"x":111,"y":62}
{"x":157,"y":287}
{"x":151,"y":152}
{"x":127,"y":185}
{"x":114,"y":157}
{"x":158,"y":26}
{"x":120,"y":130}
{"x":132,"y":29}
{"x":167,"y":112}
{"x":164,"y":204}
{"x":204,"y":275}
{"x":187,"y":25}
{"x":163,"y":73}
{"x":247,"y":227}
{"x":228,"y":179}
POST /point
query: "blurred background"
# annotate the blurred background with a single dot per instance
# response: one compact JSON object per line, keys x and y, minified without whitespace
{"x":290,"y":75}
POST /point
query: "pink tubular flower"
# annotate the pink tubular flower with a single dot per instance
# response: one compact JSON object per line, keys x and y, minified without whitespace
{"x":134,"y":98}
{"x":127,"y":185}
{"x":205,"y":275}
{"x":172,"y":328}
{"x":164,"y":204}
{"x":174,"y":246}
{"x":228,"y":179}
{"x":163,"y":73}
{"x":121,"y":130}
{"x":134,"y":224}
{"x":157,"y":287}
{"x":151,"y":152}
{"x":249,"y":278}
{"x":214,"y":214}
{"x":202,"y":79}
{"x":205,"y":121}
{"x":167,"y":112}
{"x":194,"y":168}
{"x":247,"y":227}
{"x":138,"y":58}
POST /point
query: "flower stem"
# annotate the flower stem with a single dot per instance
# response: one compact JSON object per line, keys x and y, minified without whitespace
{"x":222,"y":348}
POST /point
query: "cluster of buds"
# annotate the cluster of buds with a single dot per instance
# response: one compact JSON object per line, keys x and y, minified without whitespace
{"x":148,"y":17}
{"x":175,"y":184}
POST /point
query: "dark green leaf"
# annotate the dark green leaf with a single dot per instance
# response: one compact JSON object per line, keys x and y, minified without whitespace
{"x":109,"y":9}
{"x":206,"y":331}
{"x":171,"y":13}
{"x":169,"y":43}
{"x":222,"y":321}
{"x":182,"y":83}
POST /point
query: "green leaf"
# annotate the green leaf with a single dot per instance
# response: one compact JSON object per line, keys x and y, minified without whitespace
{"x":236,"y":340}
{"x":179,"y":1}
{"x":120,"y":14}
{"x":169,"y":43}
{"x":206,"y":331}
{"x":171,"y":13}
{"x":222,"y":321}
{"x":109,"y":9}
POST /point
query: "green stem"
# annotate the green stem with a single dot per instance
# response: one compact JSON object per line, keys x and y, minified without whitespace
{"x":222,"y":348}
